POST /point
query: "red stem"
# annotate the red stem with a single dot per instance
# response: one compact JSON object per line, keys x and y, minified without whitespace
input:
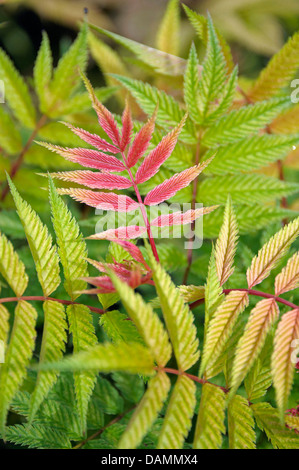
{"x":257,"y":293}
{"x":194,"y":194}
{"x":190,"y":376}
{"x":144,"y":215}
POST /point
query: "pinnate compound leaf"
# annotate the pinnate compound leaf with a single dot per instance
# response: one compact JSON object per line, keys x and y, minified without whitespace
{"x":270,"y":254}
{"x":11,"y":267}
{"x":40,"y":242}
{"x":240,"y":424}
{"x":146,"y":412}
{"x":284,"y":357}
{"x":178,"y":318}
{"x":178,"y":418}
{"x":226,"y":244}
{"x":210,"y":421}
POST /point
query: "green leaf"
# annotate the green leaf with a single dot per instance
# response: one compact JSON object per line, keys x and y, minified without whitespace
{"x":178,"y":418}
{"x":162,"y":62}
{"x":119,"y":328}
{"x":130,"y":358}
{"x":130,"y":386}
{"x":249,"y":218}
{"x":147,"y":322}
{"x":42,"y":73}
{"x":191,"y":85}
{"x":17,"y":357}
{"x":52,"y":348}
{"x":169,"y":113}
{"x":200,"y":24}
{"x":11,"y":267}
{"x":213,"y":291}
{"x":225,"y":101}
{"x":43,"y":252}
{"x":267,"y":419}
{"x":146,"y":413}
{"x":244,"y":189}
{"x":250,"y":153}
{"x":168,"y":33}
{"x":210,"y":421}
{"x":243,"y":122}
{"x":240,"y":424}
{"x":16,"y":92}
{"x":4,"y":325}
{"x":214,"y":71}
{"x":10,"y":138}
{"x":221,"y":327}
{"x":66,"y":77}
{"x":37,"y":436}
{"x":178,"y":318}
{"x":84,"y":337}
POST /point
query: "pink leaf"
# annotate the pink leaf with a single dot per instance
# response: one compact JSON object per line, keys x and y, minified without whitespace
{"x":168,"y":188}
{"x":181,"y":218}
{"x":127,"y":128}
{"x":158,"y":155}
{"x":120,"y":233}
{"x":100,"y":200}
{"x":118,"y":268}
{"x":92,"y":139}
{"x":93,"y":179}
{"x":87,"y":157}
{"x":104,"y":284}
{"x":141,"y":141}
{"x":106,"y":119}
